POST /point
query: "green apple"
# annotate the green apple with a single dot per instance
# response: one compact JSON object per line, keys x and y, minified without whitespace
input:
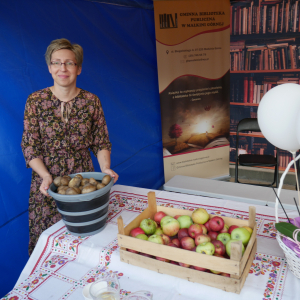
{"x":206,"y":248}
{"x":200,"y":216}
{"x":164,"y":219}
{"x":224,"y":237}
{"x":241,"y":234}
{"x":248,"y":228}
{"x":156,"y":239}
{"x":142,"y":237}
{"x":228,"y":247}
{"x":149,"y":226}
{"x":185,"y":221}
{"x":158,"y":231}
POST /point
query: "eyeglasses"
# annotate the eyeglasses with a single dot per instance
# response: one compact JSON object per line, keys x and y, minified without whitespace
{"x":68,"y":64}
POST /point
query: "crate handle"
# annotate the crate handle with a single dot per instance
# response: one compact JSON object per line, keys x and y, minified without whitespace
{"x":236,"y":254}
{"x":121,"y":225}
{"x":152,"y":203}
{"x":252,"y":216}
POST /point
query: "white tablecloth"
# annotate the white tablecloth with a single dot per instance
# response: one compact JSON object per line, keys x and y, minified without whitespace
{"x":62,"y":264}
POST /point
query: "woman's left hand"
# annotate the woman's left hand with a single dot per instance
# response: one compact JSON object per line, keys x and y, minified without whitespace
{"x":111,"y":173}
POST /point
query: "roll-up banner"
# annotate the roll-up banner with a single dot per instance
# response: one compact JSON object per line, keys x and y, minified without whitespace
{"x":192,"y":44}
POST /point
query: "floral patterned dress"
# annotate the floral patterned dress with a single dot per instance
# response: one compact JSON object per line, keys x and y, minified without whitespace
{"x":62,"y":144}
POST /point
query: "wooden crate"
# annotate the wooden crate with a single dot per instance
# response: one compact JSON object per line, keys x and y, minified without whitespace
{"x":237,"y":266}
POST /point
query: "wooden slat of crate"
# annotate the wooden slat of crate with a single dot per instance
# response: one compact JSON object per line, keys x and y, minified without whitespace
{"x":181,"y":255}
{"x":225,"y":283}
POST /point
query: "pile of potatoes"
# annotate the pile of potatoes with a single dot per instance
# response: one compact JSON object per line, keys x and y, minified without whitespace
{"x":79,"y":185}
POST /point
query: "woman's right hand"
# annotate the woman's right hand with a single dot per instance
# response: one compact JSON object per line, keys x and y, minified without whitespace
{"x":47,"y":180}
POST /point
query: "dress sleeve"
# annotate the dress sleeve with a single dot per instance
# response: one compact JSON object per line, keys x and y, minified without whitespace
{"x":31,"y":140}
{"x":100,"y":135}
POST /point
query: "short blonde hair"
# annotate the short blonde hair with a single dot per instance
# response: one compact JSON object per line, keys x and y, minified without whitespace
{"x":64,"y":44}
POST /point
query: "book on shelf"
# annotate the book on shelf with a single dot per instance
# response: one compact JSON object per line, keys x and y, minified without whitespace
{"x":257,"y":16}
{"x":269,"y":56}
{"x":284,"y":158}
{"x":251,"y":89}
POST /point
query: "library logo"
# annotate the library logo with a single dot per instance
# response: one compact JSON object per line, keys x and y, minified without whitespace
{"x":167,"y":21}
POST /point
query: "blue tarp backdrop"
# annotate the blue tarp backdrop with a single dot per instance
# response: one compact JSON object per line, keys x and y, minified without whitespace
{"x":119,"y":66}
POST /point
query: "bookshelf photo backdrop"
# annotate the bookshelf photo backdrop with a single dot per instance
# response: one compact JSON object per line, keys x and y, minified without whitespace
{"x":264,"y":52}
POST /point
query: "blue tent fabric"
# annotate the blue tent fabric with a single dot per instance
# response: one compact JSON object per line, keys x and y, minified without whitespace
{"x":119,"y":66}
{"x":146,"y":4}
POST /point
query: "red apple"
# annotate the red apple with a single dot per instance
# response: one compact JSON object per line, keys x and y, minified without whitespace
{"x":133,"y":251}
{"x":226,"y":255}
{"x":145,"y":254}
{"x":207,"y":226}
{"x":202,"y":238}
{"x":231,"y":228}
{"x":219,"y":247}
{"x":170,"y":227}
{"x":166,"y":239}
{"x":225,"y":274}
{"x":162,"y":259}
{"x":174,"y":262}
{"x":213,"y":235}
{"x":225,"y":229}
{"x":158,"y":216}
{"x":176,"y":242}
{"x":173,"y":245}
{"x":199,"y":268}
{"x":194,"y":249}
{"x":136,"y":231}
{"x":218,"y":255}
{"x":204,"y":229}
{"x":182,"y":233}
{"x":184,"y":265}
{"x":194,"y":229}
{"x":216,"y":223}
{"x":187,"y":243}
{"x":177,"y":216}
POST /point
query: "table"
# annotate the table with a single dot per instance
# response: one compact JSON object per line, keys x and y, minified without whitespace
{"x":252,"y":194}
{"x":62,"y":264}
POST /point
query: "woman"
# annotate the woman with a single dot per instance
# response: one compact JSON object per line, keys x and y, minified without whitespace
{"x":61,"y":123}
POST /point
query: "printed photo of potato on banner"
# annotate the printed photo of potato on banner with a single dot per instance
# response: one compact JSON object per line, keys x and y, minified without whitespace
{"x":192,"y":44}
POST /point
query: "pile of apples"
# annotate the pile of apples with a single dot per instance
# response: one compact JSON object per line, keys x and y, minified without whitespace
{"x":197,"y":233}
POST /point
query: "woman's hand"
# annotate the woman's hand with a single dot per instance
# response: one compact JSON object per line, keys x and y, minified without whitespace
{"x":111,"y":173}
{"x":47,"y":180}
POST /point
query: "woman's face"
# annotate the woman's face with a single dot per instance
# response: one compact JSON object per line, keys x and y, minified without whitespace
{"x":64,"y":76}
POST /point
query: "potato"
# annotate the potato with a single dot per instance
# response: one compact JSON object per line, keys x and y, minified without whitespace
{"x":57,"y":180}
{"x":71,"y":191}
{"x":100,"y":186}
{"x":74,"y":182}
{"x":62,"y":187}
{"x":106,"y":179}
{"x":88,"y":188}
{"x":93,"y":181}
{"x":79,"y":176}
{"x":81,"y":187}
{"x":65,"y":181}
{"x":67,"y":176}
{"x":85,"y":181}
{"x":77,"y":189}
{"x":62,"y":190}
